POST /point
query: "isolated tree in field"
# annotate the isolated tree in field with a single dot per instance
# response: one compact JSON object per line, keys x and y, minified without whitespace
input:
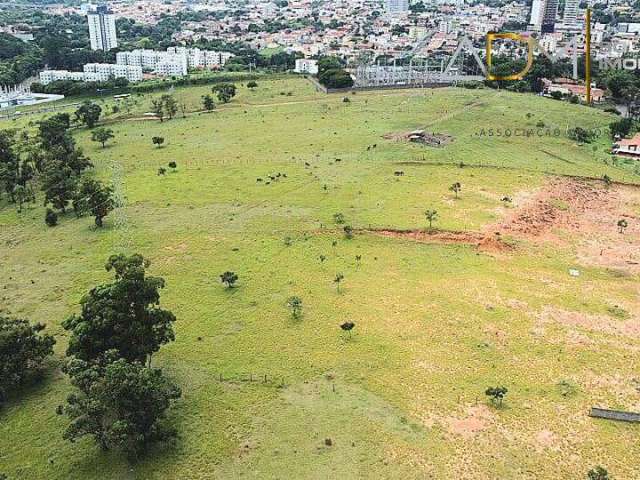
{"x":348,"y":232}
{"x":338,"y":280}
{"x":162,"y":171}
{"x":22,"y":350}
{"x":120,"y":404}
{"x":431,"y":216}
{"x":598,"y":473}
{"x":295,"y":304}
{"x":225,"y":91}
{"x":173,"y":165}
{"x":229,"y":279}
{"x":322,"y":258}
{"x":456,"y":188}
{"x":88,"y":113}
{"x":338,"y":218}
{"x":95,"y":198}
{"x":252,"y":84}
{"x":157,"y":141}
{"x":496,"y":394}
{"x":157,"y":107}
{"x":607,"y":180}
{"x":102,"y":135}
{"x":208,"y":103}
{"x":622,"y":225}
{"x":124,"y":315}
{"x":51,"y":218}
{"x":170,"y":105}
{"x":347,"y":327}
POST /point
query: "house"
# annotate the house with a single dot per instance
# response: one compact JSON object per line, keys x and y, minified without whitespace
{"x":304,"y":65}
{"x":570,"y":87}
{"x":628,"y":147}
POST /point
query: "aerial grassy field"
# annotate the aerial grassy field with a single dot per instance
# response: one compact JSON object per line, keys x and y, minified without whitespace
{"x":438,"y":320}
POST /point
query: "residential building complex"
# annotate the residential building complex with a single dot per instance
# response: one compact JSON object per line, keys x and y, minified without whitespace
{"x":176,"y":61}
{"x":94,"y":72}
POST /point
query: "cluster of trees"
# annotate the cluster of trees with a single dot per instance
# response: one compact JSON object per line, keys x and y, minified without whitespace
{"x":164,"y":105}
{"x":119,"y":399}
{"x":52,"y":158}
{"x":331,"y":73}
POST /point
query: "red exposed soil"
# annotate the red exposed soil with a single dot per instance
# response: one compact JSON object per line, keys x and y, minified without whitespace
{"x":484,"y":242}
{"x":587,"y":208}
{"x":558,"y":204}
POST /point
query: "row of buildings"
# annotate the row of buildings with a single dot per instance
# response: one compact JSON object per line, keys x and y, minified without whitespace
{"x":94,"y":72}
{"x":175,"y":62}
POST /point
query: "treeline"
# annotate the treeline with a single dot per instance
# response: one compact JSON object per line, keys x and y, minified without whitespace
{"x":51,"y":161}
{"x":121,"y":85}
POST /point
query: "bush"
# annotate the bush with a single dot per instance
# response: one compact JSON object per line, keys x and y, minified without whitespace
{"x":51,"y":218}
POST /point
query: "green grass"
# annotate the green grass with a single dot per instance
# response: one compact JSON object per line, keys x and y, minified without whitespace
{"x":425,"y":345}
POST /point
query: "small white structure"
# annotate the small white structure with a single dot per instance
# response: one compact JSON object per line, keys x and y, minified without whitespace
{"x":16,"y":96}
{"x":306,"y":65}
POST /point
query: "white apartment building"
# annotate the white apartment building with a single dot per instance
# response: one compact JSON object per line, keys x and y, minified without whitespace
{"x":94,"y":72}
{"x":175,"y":61}
{"x":397,"y":6}
{"x":48,"y":76}
{"x":305,"y":65}
{"x":102,"y":72}
{"x":102,"y":29}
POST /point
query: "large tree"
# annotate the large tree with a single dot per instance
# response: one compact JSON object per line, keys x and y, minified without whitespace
{"x":102,"y":135}
{"x":95,"y":198}
{"x":121,"y":404}
{"x":123,"y":315}
{"x":88,"y":113}
{"x":22,"y":350}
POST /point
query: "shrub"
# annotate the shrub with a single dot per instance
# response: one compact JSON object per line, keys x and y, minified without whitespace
{"x":51,"y":218}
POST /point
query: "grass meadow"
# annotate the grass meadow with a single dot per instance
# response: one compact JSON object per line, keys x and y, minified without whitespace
{"x":403,"y":397}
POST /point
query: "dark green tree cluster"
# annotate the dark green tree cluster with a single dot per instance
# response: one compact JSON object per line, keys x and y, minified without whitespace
{"x":120,"y":400}
{"x":17,"y":168}
{"x":22,"y":350}
{"x":88,"y":113}
{"x":225,"y":91}
{"x":331,"y":73}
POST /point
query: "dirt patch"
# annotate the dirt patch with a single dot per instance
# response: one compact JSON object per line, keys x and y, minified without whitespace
{"x":546,"y":439}
{"x":484,"y":242}
{"x":558,"y":205}
{"x":476,"y":419}
{"x":422,"y":137}
{"x":595,"y":323}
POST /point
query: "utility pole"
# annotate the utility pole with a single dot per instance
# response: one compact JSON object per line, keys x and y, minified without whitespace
{"x":587,"y":52}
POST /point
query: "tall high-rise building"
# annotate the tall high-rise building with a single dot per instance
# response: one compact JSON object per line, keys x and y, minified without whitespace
{"x":397,"y":6}
{"x":571,"y":12}
{"x":102,"y":29}
{"x":543,"y":15}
